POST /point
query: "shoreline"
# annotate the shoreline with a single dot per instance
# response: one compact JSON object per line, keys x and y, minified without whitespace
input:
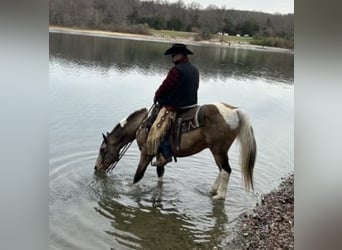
{"x":153,"y":38}
{"x":271,"y":223}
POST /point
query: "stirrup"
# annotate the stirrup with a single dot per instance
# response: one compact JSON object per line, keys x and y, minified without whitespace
{"x":161,"y":161}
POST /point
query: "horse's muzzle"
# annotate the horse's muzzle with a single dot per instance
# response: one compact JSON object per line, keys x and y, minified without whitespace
{"x":98,"y":168}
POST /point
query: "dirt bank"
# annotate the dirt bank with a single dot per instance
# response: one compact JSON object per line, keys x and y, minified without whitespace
{"x":271,"y":224}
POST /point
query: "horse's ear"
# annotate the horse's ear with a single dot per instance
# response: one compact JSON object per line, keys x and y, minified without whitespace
{"x":104,"y":138}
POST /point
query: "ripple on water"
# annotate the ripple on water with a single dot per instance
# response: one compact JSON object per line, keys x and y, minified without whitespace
{"x":112,"y":212}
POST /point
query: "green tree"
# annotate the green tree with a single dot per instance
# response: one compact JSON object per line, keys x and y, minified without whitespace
{"x":159,"y":23}
{"x":174,"y":24}
{"x":228,"y":26}
{"x":249,"y":27}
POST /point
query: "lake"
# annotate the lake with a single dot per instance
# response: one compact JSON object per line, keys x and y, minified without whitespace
{"x":95,"y":82}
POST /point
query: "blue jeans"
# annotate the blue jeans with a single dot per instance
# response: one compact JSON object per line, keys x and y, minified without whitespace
{"x":165,"y":148}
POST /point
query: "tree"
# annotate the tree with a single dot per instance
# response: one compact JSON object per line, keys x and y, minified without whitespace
{"x":159,"y":23}
{"x":228,"y":26}
{"x":174,"y":24}
{"x":249,"y":27}
{"x":126,"y":14}
{"x":133,"y":17}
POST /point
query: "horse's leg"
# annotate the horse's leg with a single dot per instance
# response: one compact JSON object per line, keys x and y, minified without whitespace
{"x":144,"y":161}
{"x":160,"y":172}
{"x":222,"y":179}
{"x":216,"y":184}
{"x":222,"y":189}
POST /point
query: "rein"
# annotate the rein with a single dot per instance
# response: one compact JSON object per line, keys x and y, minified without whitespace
{"x":121,"y":154}
{"x":126,"y":147}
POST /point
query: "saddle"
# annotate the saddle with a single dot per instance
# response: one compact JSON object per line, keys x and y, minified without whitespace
{"x":186,"y":121}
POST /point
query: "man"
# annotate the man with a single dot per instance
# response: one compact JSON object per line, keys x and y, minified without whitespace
{"x":178,"y":91}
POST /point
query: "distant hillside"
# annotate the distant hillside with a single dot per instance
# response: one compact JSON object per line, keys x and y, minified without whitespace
{"x":136,"y":16}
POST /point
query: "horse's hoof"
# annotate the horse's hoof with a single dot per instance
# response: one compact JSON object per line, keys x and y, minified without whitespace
{"x":213,"y":192}
{"x":136,"y":184}
{"x":219,"y":197}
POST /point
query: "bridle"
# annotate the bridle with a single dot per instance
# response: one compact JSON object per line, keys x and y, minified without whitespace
{"x":121,"y":154}
{"x":126,"y":147}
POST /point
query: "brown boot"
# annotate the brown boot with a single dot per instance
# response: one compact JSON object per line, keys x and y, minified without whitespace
{"x":161,"y":161}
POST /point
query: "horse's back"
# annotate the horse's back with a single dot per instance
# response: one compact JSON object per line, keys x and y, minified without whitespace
{"x":219,"y":115}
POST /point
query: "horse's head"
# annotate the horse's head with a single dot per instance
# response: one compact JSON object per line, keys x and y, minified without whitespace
{"x":116,"y":142}
{"x":108,"y":153}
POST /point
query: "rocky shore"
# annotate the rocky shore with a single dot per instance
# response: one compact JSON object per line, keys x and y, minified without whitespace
{"x":271,"y":224}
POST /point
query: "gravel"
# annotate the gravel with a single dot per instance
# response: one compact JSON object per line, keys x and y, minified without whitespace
{"x":271,"y":224}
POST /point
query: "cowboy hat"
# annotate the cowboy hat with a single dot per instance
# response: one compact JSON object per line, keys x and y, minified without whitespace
{"x":178,"y":48}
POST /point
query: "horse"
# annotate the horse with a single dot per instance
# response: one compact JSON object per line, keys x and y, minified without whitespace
{"x":219,"y":125}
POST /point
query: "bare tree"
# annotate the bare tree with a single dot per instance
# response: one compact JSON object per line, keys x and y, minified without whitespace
{"x":160,"y":14}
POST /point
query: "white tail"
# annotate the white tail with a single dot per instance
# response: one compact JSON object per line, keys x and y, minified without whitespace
{"x":248,"y":149}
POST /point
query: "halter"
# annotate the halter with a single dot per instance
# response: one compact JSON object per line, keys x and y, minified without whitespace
{"x":126,"y":147}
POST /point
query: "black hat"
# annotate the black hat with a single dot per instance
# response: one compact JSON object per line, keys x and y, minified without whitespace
{"x":178,"y":48}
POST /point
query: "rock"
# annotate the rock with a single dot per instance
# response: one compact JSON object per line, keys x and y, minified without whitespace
{"x":271,"y":226}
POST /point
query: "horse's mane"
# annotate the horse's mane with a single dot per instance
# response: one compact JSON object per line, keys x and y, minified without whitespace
{"x":118,"y":128}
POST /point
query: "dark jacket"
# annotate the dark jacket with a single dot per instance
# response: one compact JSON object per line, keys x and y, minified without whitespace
{"x":180,"y":87}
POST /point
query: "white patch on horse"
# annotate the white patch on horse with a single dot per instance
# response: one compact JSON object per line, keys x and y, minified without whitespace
{"x":123,"y":122}
{"x":222,"y":188}
{"x":229,"y":115}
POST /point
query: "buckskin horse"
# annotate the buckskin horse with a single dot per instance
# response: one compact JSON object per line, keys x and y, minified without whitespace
{"x":217,"y":127}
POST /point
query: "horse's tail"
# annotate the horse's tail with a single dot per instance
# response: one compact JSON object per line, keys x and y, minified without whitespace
{"x":248,"y":149}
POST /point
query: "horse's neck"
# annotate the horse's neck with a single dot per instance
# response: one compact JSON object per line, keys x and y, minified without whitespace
{"x":132,"y":123}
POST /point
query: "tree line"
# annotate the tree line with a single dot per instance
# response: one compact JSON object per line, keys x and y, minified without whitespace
{"x":137,"y":16}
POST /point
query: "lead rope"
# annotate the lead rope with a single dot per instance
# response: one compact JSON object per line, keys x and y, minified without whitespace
{"x":126,"y":147}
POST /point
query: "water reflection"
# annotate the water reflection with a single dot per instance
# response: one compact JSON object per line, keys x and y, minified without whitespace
{"x":139,"y":222}
{"x":213,"y":62}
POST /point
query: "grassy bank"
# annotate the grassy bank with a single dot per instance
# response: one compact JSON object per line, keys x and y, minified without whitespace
{"x":169,"y":36}
{"x":173,"y":34}
{"x":276,"y":42}
{"x":195,"y":36}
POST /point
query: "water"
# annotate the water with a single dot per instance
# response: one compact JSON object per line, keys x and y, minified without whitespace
{"x":96,"y":82}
